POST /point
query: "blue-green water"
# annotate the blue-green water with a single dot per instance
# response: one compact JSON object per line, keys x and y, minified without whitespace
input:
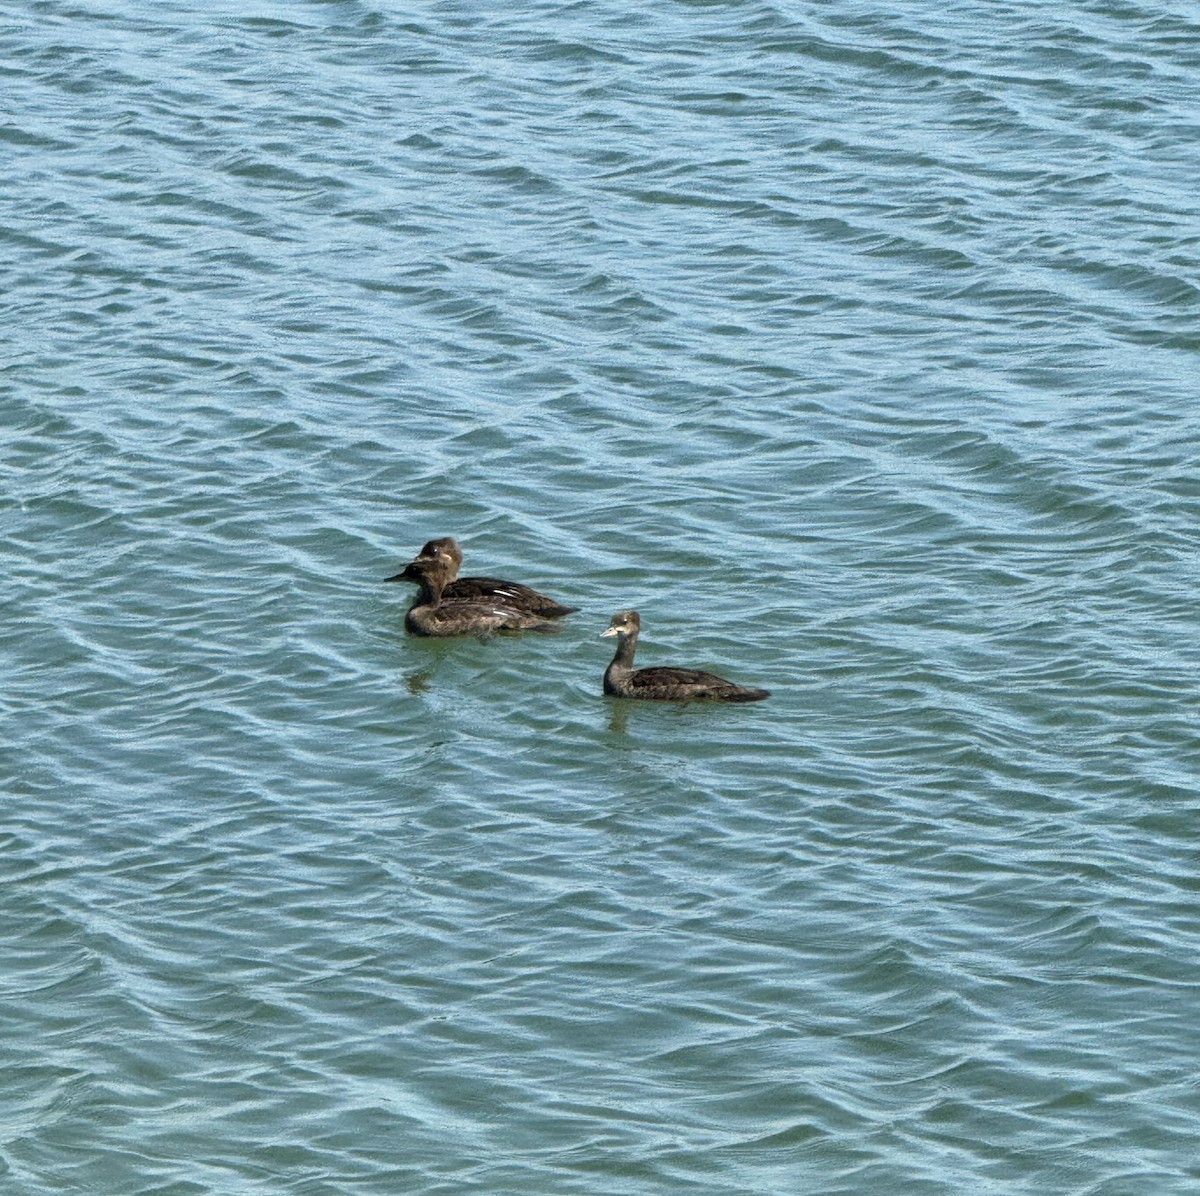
{"x":857,"y":347}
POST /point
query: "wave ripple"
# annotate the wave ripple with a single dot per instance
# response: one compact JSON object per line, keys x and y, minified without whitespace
{"x":855,"y":346}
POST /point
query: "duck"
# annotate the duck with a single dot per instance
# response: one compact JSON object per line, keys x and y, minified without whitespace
{"x":433,"y":614}
{"x":511,"y":593}
{"x":666,"y":684}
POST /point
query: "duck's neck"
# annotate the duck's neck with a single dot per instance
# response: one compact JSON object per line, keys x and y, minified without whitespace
{"x":622,"y":660}
{"x":429,"y":592}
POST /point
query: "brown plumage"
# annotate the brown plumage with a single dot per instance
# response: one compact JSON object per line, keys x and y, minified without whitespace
{"x":622,"y":680}
{"x":510,"y":593}
{"x":434,"y":614}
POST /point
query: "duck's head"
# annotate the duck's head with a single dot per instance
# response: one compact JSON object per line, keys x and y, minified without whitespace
{"x":624,"y":623}
{"x":440,"y":557}
{"x":443,"y":546}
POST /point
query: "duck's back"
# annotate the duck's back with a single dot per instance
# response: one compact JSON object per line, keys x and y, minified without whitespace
{"x":466,"y":616}
{"x":511,"y":593}
{"x":674,"y":685}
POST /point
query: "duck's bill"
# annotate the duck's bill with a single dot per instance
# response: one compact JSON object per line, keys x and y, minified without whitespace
{"x":408,"y":573}
{"x":609,"y":631}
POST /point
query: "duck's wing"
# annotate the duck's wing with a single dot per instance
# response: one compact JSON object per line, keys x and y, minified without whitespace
{"x":670,"y":682}
{"x":509,"y":593}
{"x":478,"y":616}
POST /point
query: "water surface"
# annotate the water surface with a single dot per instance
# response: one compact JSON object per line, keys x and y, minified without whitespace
{"x":856,"y":347}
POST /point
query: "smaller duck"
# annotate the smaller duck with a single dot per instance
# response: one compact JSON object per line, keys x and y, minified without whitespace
{"x":511,"y":593}
{"x":436,"y":615}
{"x":622,"y":680}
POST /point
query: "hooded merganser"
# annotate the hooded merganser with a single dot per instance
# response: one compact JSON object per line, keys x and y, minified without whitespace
{"x":511,"y":593}
{"x":622,"y":680}
{"x":433,"y":614}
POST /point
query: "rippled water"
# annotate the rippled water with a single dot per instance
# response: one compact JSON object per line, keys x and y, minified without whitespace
{"x":856,"y":347}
